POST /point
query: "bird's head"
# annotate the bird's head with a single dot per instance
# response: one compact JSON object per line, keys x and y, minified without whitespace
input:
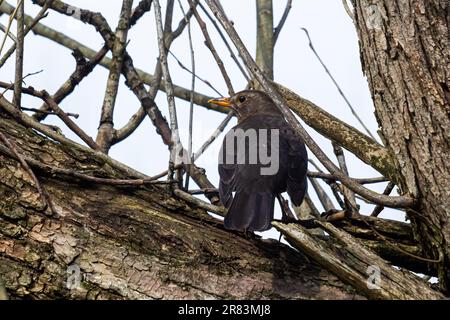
{"x":247,"y":103}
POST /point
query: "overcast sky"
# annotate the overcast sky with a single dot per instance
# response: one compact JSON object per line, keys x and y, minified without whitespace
{"x":296,"y":67}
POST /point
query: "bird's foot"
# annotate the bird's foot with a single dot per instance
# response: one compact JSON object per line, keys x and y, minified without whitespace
{"x":335,"y":215}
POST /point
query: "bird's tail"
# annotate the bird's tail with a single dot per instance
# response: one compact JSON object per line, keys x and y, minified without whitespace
{"x":250,"y":211}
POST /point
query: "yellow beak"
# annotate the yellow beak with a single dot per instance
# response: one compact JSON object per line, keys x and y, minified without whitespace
{"x":223,"y":102}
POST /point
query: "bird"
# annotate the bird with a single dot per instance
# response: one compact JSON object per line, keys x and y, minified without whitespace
{"x":245,"y":189}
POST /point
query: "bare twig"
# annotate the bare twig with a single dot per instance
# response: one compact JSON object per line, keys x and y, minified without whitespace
{"x":17,"y":97}
{"x":42,"y":192}
{"x":29,"y":122}
{"x":349,"y":196}
{"x":59,"y":112}
{"x":277,"y":30}
{"x":82,"y":70}
{"x":137,"y":118}
{"x":211,"y":47}
{"x":348,"y":10}
{"x":155,"y":83}
{"x":182,"y":66}
{"x":142,"y":8}
{"x":41,"y":15}
{"x":337,"y":85}
{"x":214,"y":136}
{"x":175,"y":145}
{"x":46,"y":112}
{"x":399,"y":201}
{"x":191,"y":102}
{"x":332,"y":184}
{"x":314,"y":212}
{"x":106,"y":128}
{"x":225,"y":41}
{"x":8,"y":27}
{"x":377,"y":210}
{"x":221,"y":211}
{"x":53,"y":171}
{"x":326,"y":202}
{"x":328,"y":176}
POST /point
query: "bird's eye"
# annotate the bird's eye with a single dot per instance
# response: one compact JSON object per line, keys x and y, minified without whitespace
{"x":242,"y":99}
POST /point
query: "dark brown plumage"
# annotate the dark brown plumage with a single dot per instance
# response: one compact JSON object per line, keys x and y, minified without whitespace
{"x":248,"y":194}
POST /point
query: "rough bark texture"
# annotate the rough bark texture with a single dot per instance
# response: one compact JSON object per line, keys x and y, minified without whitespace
{"x":131,"y":243}
{"x":405,"y":55}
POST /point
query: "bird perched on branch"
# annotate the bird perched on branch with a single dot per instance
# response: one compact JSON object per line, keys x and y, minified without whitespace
{"x":261,"y":157}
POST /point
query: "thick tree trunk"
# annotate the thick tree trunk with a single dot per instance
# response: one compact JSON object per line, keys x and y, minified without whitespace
{"x":405,"y":54}
{"x":118,"y":242}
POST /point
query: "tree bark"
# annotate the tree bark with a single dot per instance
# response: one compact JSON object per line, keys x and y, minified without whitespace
{"x":128,"y":242}
{"x":405,"y":55}
{"x":264,"y":37}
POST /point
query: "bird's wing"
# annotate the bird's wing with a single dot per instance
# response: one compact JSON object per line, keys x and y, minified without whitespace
{"x":297,"y":169}
{"x":227,"y":173}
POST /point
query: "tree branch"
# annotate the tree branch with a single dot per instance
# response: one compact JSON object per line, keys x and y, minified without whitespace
{"x":277,"y":30}
{"x":348,"y":259}
{"x":105,"y":133}
{"x":19,"y":53}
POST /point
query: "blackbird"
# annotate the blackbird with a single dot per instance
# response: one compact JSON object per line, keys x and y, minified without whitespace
{"x":249,"y":183}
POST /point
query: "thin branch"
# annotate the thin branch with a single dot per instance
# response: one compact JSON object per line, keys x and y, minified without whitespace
{"x":225,"y":41}
{"x":46,"y":112}
{"x":182,"y":66}
{"x":283,"y":19}
{"x":29,"y":122}
{"x":41,"y":15}
{"x":42,"y":192}
{"x":155,"y":81}
{"x":142,"y":8}
{"x":59,"y":112}
{"x":332,"y":184}
{"x":214,"y":136}
{"x":337,"y":85}
{"x":55,"y":171}
{"x":348,"y":10}
{"x":349,"y":196}
{"x":82,"y":70}
{"x":326,"y":202}
{"x":137,"y":118}
{"x":175,"y":145}
{"x":12,"y":16}
{"x":210,"y":46}
{"x":313,"y":209}
{"x":133,"y":81}
{"x":387,"y":191}
{"x":191,"y":102}
{"x":181,"y":25}
{"x":328,"y":176}
{"x":17,"y":97}
{"x":221,"y":211}
{"x":169,"y":16}
{"x":106,"y":127}
{"x":399,"y":201}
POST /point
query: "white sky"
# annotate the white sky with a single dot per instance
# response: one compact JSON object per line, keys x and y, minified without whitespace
{"x":330,"y":28}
